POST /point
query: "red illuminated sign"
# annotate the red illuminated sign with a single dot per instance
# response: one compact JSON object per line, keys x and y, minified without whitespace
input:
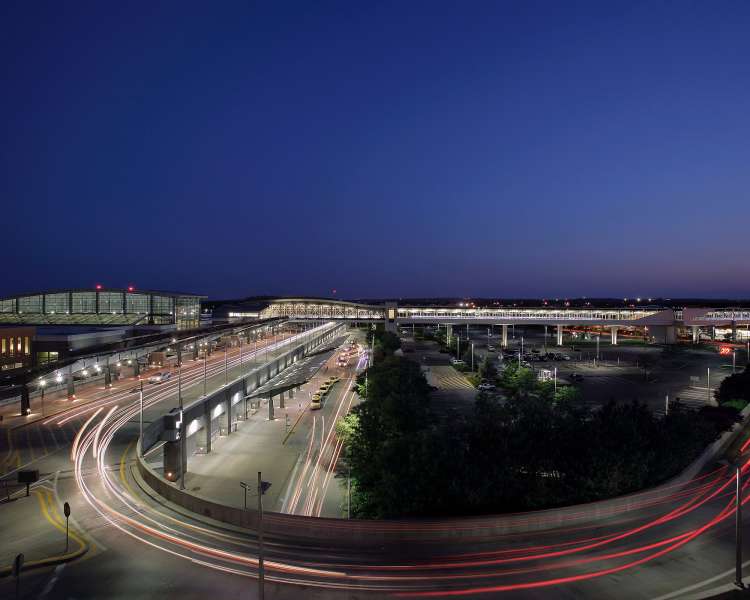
{"x":725,"y":350}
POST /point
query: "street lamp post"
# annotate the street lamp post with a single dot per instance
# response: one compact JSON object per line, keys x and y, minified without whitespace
{"x":734,"y":361}
{"x":183,"y":441}
{"x":226,"y":375}
{"x":140,"y":393}
{"x":243,"y":485}
{"x":708,"y":385}
{"x":738,"y":531}
{"x":555,"y":380}
{"x":42,"y":384}
{"x":472,"y":357}
{"x":260,"y":537}
{"x":597,"y":347}
{"x":205,"y":358}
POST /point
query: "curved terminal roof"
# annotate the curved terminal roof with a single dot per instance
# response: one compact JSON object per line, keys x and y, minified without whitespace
{"x":100,"y":306}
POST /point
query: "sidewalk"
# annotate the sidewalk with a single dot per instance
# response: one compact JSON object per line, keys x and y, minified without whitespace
{"x":36,"y":527}
{"x":271,"y":447}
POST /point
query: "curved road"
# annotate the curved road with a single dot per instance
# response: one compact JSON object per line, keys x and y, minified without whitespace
{"x":673,"y":542}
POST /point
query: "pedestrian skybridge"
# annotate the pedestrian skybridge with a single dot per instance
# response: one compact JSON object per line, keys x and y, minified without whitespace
{"x":319,"y":309}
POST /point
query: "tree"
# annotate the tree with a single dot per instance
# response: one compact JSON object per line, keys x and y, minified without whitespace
{"x":735,"y":389}
{"x":566,"y":395}
{"x":487,"y":369}
{"x":388,"y":445}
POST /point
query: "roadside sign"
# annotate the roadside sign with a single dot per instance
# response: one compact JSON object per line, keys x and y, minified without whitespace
{"x":66,"y":510}
{"x":694,"y":379}
{"x":725,"y":350}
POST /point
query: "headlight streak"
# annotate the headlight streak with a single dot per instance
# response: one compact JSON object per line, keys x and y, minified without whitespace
{"x":192,"y":375}
{"x":417,"y":579}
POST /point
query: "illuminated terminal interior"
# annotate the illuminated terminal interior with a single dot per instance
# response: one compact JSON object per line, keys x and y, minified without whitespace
{"x":103,"y":307}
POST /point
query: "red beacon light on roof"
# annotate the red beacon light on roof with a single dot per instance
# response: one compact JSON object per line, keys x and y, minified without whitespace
{"x":98,"y":286}
{"x":131,"y":288}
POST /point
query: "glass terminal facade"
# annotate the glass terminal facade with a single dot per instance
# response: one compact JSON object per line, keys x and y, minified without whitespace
{"x":102,"y":307}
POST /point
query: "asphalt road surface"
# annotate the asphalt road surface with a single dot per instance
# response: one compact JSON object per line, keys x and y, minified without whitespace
{"x":676,"y":542}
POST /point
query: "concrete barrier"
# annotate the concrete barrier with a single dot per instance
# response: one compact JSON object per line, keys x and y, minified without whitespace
{"x":345,"y":533}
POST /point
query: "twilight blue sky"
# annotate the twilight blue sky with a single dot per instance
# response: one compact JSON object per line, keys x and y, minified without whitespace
{"x":382,"y":149}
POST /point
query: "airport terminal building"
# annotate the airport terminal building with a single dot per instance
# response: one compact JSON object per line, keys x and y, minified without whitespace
{"x":43,"y":327}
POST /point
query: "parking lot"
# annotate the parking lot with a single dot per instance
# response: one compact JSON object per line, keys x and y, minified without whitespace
{"x":631,"y":370}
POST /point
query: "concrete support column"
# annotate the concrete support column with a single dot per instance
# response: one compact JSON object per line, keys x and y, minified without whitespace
{"x":207,"y":425}
{"x":448,"y":333}
{"x":71,"y":385}
{"x":559,"y":335}
{"x":136,"y":367}
{"x":696,"y":334}
{"x":614,"y":336}
{"x":734,"y":331}
{"x":270,"y":408}
{"x":172,"y":461}
{"x":505,"y":336}
{"x":281,"y":401}
{"x":228,"y":411}
{"x":25,"y":401}
{"x":195,"y":350}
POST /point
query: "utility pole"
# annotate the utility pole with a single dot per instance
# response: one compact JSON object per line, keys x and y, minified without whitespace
{"x":260,"y":537}
{"x":226,"y":375}
{"x":738,"y":532}
{"x":666,"y":404}
{"x":708,"y":385}
{"x":472,"y":357}
{"x":205,"y":358}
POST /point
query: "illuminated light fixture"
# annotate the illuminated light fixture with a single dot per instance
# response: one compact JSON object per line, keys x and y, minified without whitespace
{"x":98,"y":286}
{"x":85,"y":373}
{"x":131,"y":288}
{"x":58,"y":378}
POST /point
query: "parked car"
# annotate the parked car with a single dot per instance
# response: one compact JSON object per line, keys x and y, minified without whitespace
{"x":456,"y":362}
{"x":486,"y":387}
{"x":576,"y":377}
{"x":491,"y":349}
